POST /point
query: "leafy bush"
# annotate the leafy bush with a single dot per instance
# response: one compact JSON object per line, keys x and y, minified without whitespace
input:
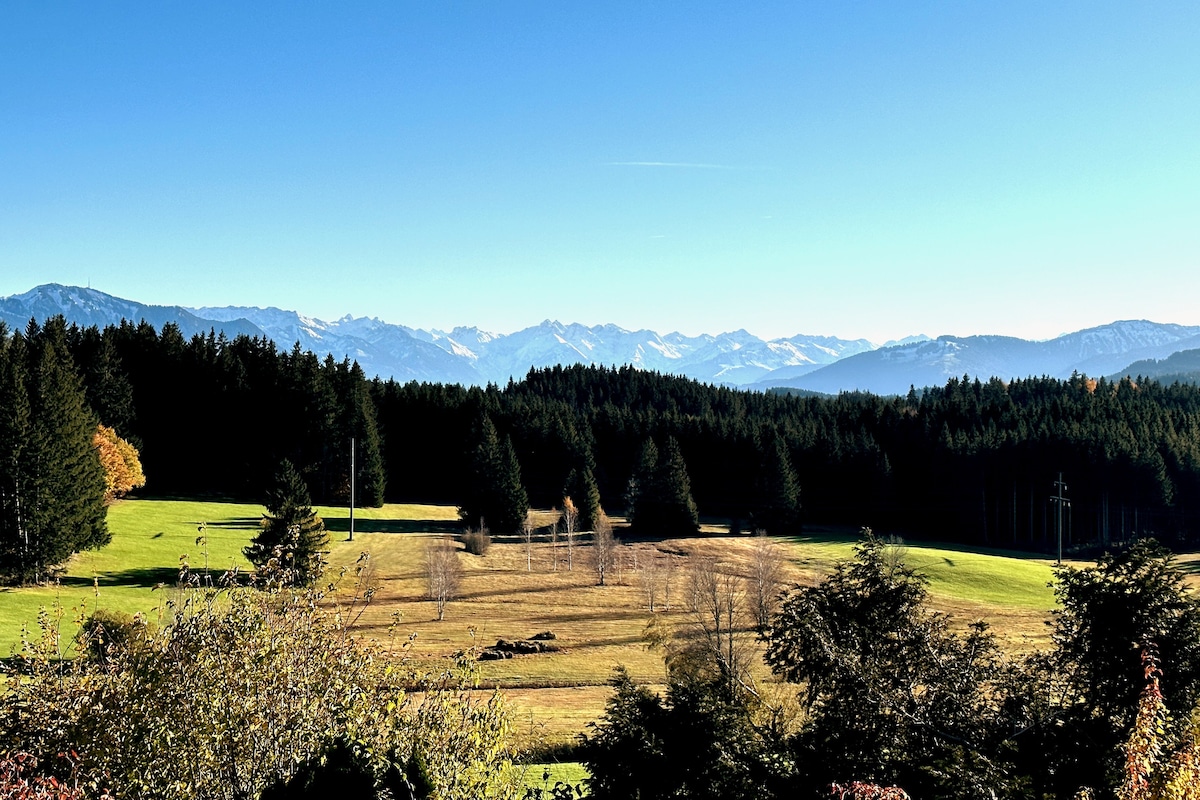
{"x":242,"y":690}
{"x":107,"y":631}
{"x":894,"y":695}
{"x":1128,"y":602}
{"x":700,"y":742}
{"x":1157,"y":764}
{"x":20,"y":780}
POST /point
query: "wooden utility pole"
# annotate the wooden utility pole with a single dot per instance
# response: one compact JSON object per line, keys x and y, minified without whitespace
{"x":352,"y":488}
{"x":1059,"y":501}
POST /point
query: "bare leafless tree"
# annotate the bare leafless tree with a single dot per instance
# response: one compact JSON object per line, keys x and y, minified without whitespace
{"x":649,"y":576}
{"x":477,"y":541}
{"x":604,"y":548}
{"x":669,"y":564}
{"x":716,"y":597}
{"x":894,"y":552}
{"x":527,"y":528}
{"x":570,"y":518}
{"x":767,"y":560}
{"x":443,"y":573}
{"x":554,"y":545}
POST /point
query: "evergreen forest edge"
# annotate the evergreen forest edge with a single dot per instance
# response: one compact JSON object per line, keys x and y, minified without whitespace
{"x":972,"y":462}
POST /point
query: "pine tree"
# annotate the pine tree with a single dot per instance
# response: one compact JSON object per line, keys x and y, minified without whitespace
{"x":496,"y":495}
{"x":53,"y":483}
{"x":779,"y":505}
{"x":662,"y":503}
{"x":292,"y":543}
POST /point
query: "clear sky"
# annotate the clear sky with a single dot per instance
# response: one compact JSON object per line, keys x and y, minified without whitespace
{"x":844,"y":168}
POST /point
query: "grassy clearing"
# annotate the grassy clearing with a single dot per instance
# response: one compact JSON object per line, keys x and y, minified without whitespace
{"x":150,"y":538}
{"x":544,"y":776}
{"x":553,"y":695}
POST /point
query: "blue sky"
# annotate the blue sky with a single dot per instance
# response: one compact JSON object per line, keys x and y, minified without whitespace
{"x":854,"y":169}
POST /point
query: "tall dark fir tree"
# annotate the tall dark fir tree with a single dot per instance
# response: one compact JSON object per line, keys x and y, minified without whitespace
{"x":358,"y":423}
{"x":496,"y":495}
{"x":662,"y":503}
{"x":51,"y":480}
{"x":778,"y":510}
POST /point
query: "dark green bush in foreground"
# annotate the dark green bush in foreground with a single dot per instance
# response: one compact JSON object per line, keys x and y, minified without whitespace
{"x":892,"y":695}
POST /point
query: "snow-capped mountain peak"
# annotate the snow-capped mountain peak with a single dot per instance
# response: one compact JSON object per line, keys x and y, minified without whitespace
{"x":470,"y":355}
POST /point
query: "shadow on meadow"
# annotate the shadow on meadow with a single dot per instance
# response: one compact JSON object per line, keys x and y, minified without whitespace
{"x":342,"y":525}
{"x":234,"y":523}
{"x":142,"y":577}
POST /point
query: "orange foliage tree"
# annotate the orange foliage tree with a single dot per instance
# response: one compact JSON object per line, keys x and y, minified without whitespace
{"x":122,"y":466}
{"x":1158,"y":766}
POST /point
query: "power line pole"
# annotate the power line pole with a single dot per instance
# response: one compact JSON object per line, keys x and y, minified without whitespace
{"x":352,"y":488}
{"x":1059,"y":501}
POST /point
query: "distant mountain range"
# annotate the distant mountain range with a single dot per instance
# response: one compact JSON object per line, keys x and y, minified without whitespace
{"x":1104,"y":350}
{"x":472,"y":356}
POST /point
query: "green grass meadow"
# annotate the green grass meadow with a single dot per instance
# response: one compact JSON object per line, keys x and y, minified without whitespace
{"x":544,"y":776}
{"x":151,"y":539}
{"x":996,"y":577}
{"x":134,"y":572}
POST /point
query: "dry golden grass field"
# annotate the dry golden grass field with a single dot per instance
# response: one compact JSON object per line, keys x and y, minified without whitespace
{"x":503,"y":596}
{"x":509,"y":594}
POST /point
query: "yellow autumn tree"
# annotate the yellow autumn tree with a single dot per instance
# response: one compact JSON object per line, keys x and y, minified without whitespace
{"x":1156,"y":767}
{"x":122,"y":466}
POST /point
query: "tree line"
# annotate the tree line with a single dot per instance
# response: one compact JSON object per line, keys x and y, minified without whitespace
{"x":971,"y":461}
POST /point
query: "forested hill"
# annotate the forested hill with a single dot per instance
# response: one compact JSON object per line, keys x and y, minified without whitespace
{"x":1183,"y":367}
{"x":971,"y":461}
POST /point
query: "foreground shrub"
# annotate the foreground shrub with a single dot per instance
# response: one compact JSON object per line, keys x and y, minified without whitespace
{"x":20,"y":780}
{"x":700,"y":741}
{"x":1157,"y":764}
{"x":241,"y":691}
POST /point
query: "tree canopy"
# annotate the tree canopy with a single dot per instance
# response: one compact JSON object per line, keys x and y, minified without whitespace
{"x":973,"y":461}
{"x":52,"y":483}
{"x":292,"y":542}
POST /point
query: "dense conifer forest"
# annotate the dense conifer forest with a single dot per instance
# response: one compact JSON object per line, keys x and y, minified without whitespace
{"x":970,"y":461}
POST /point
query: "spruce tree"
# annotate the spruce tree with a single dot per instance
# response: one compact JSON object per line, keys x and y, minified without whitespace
{"x":581,"y":485}
{"x":511,"y":501}
{"x":681,"y":516}
{"x":292,"y":543}
{"x":662,"y":494}
{"x":52,"y":480}
{"x":495,"y":495}
{"x":14,"y":434}
{"x":640,"y":494}
{"x":109,"y":391}
{"x":778,"y":510}
{"x":358,"y":422}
